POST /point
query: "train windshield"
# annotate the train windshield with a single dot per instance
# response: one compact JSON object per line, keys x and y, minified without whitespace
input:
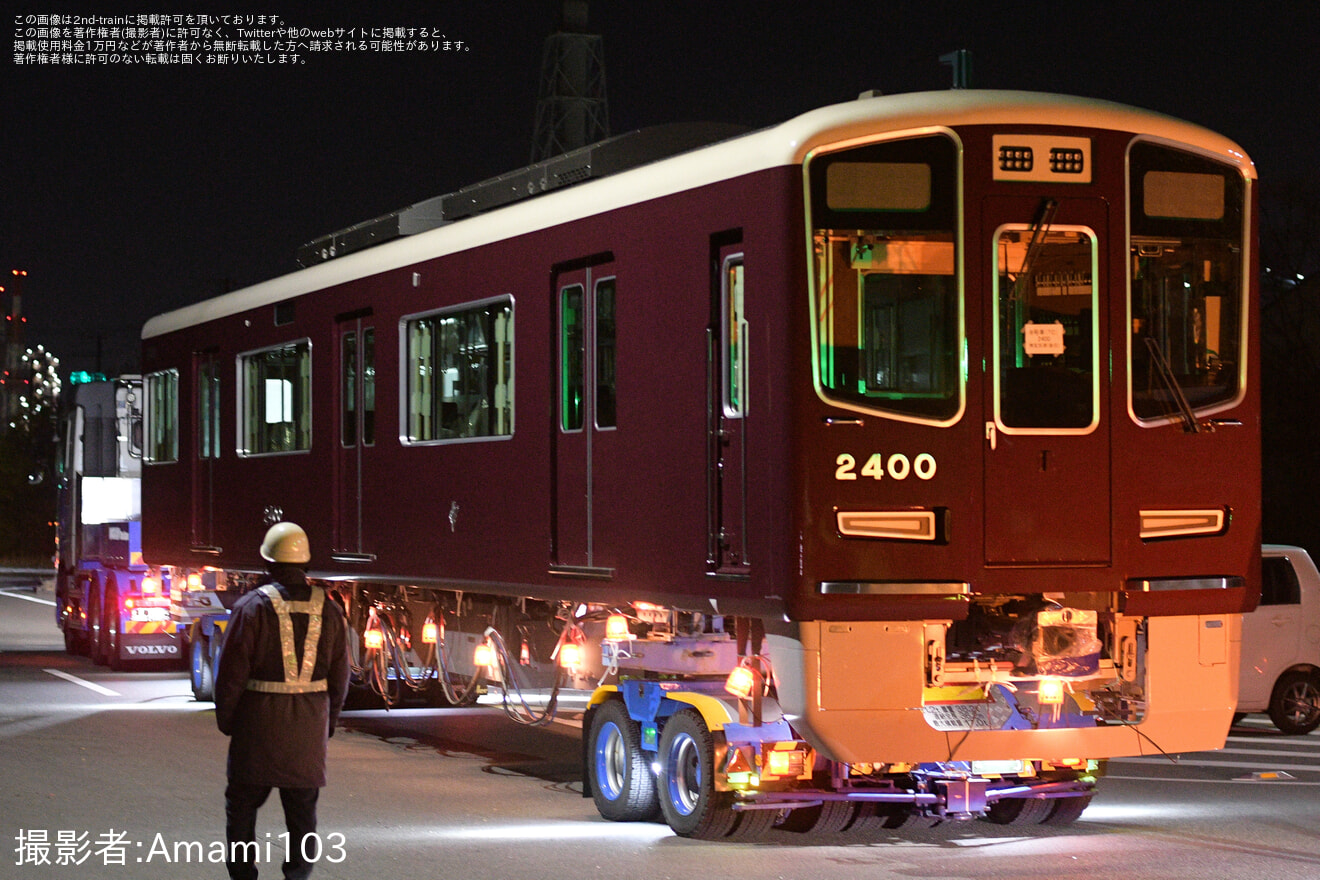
{"x":1186,"y":251}
{"x":886,"y":303}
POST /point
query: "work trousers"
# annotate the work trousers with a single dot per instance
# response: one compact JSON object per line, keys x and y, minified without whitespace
{"x":241,"y":804}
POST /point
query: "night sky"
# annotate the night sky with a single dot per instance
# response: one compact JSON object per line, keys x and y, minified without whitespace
{"x":131,"y":190}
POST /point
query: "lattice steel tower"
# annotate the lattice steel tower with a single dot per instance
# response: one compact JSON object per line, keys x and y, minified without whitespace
{"x":571,"y":110}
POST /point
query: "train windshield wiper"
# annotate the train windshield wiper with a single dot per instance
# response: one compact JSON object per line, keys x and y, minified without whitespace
{"x":1165,"y":372}
{"x":1040,"y":227}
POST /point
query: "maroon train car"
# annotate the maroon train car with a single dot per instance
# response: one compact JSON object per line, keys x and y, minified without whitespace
{"x":953,"y":396}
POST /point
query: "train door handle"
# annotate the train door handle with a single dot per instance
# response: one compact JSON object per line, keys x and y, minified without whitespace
{"x":991,"y":434}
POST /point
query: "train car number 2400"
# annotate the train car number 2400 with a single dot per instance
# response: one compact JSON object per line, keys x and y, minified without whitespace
{"x":897,"y":466}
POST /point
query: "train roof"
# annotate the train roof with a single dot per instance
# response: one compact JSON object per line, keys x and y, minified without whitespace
{"x":788,"y":143}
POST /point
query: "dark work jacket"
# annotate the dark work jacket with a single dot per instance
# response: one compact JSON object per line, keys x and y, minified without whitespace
{"x":279,"y":739}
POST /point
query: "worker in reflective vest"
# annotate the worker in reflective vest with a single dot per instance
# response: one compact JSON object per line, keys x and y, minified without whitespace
{"x":279,"y":687}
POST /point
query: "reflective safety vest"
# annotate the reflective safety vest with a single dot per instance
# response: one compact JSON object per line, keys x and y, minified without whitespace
{"x":296,"y":681}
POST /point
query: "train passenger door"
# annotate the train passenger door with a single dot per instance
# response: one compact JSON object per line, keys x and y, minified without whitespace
{"x":356,"y":419}
{"x":727,"y":357}
{"x":206,"y":450}
{"x":585,"y":417}
{"x":1047,"y":426}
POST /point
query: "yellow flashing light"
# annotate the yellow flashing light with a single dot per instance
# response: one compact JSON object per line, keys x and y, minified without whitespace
{"x":150,"y":586}
{"x":483,"y":655}
{"x":1051,"y":691}
{"x":570,"y":655}
{"x":616,"y":628}
{"x":373,"y":639}
{"x":741,"y":682}
{"x":430,"y":633}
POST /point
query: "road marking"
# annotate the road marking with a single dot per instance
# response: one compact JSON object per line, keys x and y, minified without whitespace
{"x":91,"y":686}
{"x":28,"y":598}
{"x":1239,"y":765}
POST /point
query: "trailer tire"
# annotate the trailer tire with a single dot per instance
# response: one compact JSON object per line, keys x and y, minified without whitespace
{"x":829,"y":817}
{"x":201,"y":675}
{"x":622,"y":784}
{"x":1295,"y":703}
{"x":691,"y":805}
{"x":1019,"y":811}
{"x":1067,"y":810}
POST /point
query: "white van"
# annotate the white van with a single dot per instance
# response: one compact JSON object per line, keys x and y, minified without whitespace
{"x":1280,"y":671}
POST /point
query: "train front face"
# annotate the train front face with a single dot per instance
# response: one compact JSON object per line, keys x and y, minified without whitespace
{"x":1028,"y":511}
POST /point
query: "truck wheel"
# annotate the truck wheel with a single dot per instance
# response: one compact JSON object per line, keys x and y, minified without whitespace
{"x":1295,"y":703}
{"x":110,"y":629}
{"x":688,"y":799}
{"x":622,"y":784}
{"x":200,"y":673}
{"x":96,"y":629}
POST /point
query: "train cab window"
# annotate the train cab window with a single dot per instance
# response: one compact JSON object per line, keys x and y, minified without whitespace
{"x":886,"y":294}
{"x":459,"y":372}
{"x":1187,"y":214}
{"x":161,"y":390}
{"x":275,"y":400}
{"x":1046,"y":351}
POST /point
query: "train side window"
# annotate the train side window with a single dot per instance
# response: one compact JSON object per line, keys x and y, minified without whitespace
{"x":606,"y":415}
{"x":275,"y":400}
{"x":162,"y":416}
{"x":886,"y":294}
{"x":459,"y":372}
{"x":735,"y":340}
{"x":572,"y":341}
{"x":208,"y":409}
{"x":350,"y":373}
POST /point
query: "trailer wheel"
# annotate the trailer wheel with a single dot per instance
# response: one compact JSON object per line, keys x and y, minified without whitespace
{"x":1295,"y":703}
{"x":688,"y":799}
{"x":622,"y":783}
{"x":829,"y":817}
{"x":1067,"y":810}
{"x":201,"y":674}
{"x":1019,"y":811}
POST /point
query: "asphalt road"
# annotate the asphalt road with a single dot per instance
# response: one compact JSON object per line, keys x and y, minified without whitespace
{"x":110,"y":775}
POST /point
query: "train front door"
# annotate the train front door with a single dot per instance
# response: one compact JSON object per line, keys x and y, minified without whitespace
{"x":1047,"y":421}
{"x":585,"y":418}
{"x":356,"y":428}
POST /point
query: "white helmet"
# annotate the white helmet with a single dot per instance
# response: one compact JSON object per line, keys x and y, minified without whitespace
{"x":286,"y":542}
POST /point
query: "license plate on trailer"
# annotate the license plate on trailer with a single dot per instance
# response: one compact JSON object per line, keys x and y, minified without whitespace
{"x":149,"y":614}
